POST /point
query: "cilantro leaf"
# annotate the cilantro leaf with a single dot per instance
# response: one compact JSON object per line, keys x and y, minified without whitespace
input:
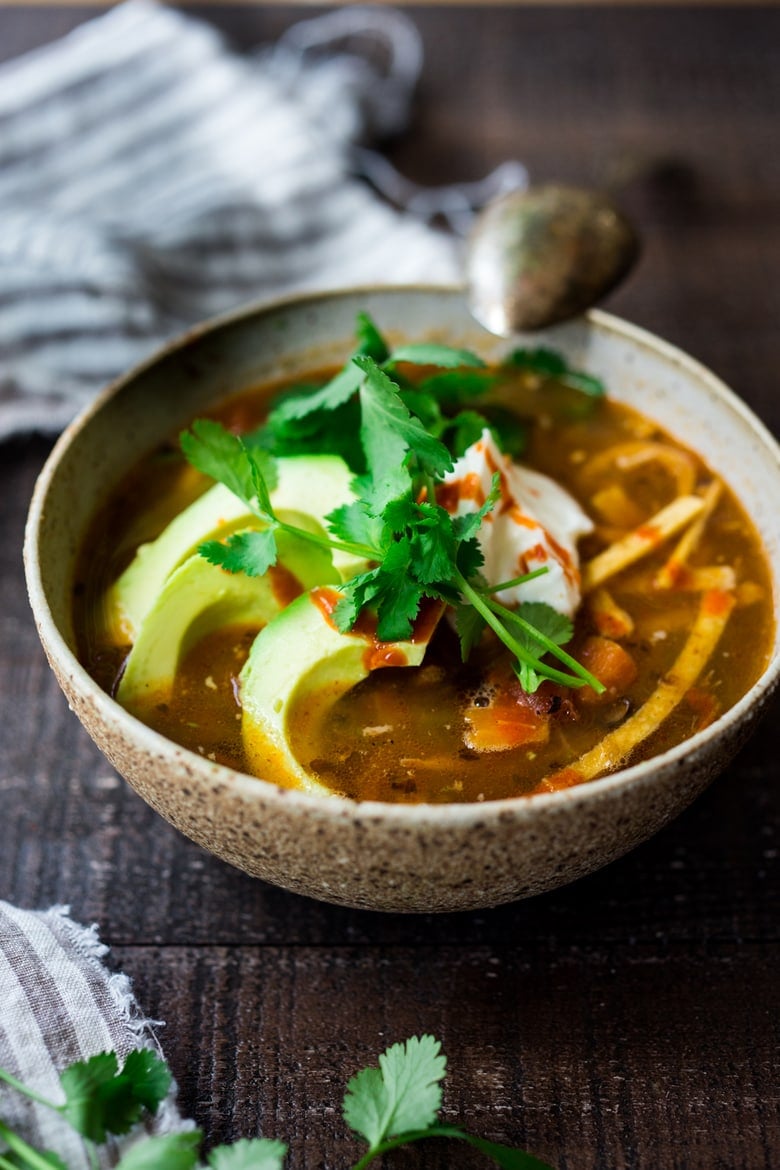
{"x":389,"y":432}
{"x":370,"y":340}
{"x":333,"y":394}
{"x":324,"y":432}
{"x":467,"y":525}
{"x":455,"y":387}
{"x":342,"y":386}
{"x":223,"y":456}
{"x":470,"y":558}
{"x":425,"y":407}
{"x":464,"y":429}
{"x":469,"y":624}
{"x":354,"y":522}
{"x":509,"y":431}
{"x":365,"y":1105}
{"x":430,"y":354}
{"x":390,"y":588}
{"x":544,"y":619}
{"x":98,"y":1099}
{"x":398,"y":602}
{"x":432,"y":544}
{"x":548,"y":363}
{"x":357,"y":593}
{"x":248,"y":1154}
{"x":404,"y":1094}
{"x":149,"y":1076}
{"x":252,"y":553}
{"x":411,"y":1073}
{"x":173,"y":1151}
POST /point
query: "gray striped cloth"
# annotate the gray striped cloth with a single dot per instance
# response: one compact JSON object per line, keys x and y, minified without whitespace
{"x":60,"y":1004}
{"x":150,"y":178}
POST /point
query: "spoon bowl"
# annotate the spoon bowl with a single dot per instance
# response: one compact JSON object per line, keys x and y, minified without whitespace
{"x":538,"y":257}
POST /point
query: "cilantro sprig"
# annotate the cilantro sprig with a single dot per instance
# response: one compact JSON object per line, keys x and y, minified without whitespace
{"x":548,"y":364}
{"x":414,"y":548}
{"x":396,"y":1104}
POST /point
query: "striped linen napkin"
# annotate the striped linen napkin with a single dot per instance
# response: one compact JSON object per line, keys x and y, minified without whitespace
{"x":150,"y":178}
{"x":60,"y":1004}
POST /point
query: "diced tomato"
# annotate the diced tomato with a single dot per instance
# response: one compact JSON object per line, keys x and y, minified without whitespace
{"x":611,"y":664}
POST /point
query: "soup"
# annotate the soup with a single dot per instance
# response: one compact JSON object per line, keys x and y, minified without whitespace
{"x":672,"y":579}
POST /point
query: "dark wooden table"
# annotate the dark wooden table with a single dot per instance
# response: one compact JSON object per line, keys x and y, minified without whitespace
{"x":629,"y":1020}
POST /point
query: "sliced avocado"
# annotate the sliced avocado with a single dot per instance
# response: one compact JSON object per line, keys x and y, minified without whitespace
{"x":199,"y":597}
{"x":311,"y":484}
{"x":296,"y":654}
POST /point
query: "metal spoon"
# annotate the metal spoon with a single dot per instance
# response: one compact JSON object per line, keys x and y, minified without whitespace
{"x":540,"y":256}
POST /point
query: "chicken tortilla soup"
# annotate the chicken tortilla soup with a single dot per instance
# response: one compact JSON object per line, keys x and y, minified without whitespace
{"x":422,"y":578}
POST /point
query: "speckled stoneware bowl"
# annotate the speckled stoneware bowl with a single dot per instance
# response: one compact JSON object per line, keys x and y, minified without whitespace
{"x":386,"y":857}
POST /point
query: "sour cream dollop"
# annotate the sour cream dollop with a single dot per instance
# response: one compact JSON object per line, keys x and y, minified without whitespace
{"x":535,"y":523}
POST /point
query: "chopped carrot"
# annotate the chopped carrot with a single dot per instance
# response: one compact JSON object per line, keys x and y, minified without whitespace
{"x":611,"y":664}
{"x":504,"y":724}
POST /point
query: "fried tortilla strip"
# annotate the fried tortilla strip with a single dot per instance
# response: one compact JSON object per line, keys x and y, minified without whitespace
{"x":626,"y":457}
{"x":716,"y":606}
{"x":610,"y":619}
{"x":669,"y":575}
{"x":686,"y":580}
{"x":641,"y":541}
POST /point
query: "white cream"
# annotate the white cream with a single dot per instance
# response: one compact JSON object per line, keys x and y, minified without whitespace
{"x":534,"y":524}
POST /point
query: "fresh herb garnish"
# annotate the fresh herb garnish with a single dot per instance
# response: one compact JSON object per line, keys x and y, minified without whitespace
{"x":414,"y":547}
{"x":394,"y":1105}
{"x":548,"y":364}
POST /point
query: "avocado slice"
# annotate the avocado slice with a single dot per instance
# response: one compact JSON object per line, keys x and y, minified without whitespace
{"x":199,"y":597}
{"x":309,"y":484}
{"x":298,"y":653}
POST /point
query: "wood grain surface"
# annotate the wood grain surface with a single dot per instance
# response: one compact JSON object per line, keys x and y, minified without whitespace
{"x":627,"y":1021}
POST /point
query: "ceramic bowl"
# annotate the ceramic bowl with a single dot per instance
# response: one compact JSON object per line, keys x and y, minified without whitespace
{"x":379,"y":856}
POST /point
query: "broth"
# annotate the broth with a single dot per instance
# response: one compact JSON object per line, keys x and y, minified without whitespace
{"x":446,"y":731}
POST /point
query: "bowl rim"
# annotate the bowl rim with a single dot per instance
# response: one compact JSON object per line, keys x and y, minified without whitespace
{"x":341,"y":807}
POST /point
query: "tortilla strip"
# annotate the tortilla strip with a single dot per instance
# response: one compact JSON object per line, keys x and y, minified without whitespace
{"x":686,"y":580}
{"x":610,"y":619}
{"x":716,"y":606}
{"x":641,"y":541}
{"x":626,"y":457}
{"x":668,"y":576}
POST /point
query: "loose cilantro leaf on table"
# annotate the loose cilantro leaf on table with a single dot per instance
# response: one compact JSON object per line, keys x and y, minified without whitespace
{"x":391,"y":1106}
{"x":249,"y":1154}
{"x":402,"y":1095}
{"x":398,"y":1104}
{"x":171,"y":1151}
